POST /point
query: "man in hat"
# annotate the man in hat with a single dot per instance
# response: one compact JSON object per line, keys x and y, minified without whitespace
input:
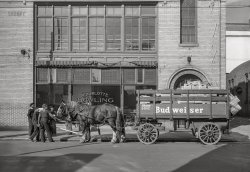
{"x":29,"y":115}
{"x":36,"y":133}
{"x":43,"y":120}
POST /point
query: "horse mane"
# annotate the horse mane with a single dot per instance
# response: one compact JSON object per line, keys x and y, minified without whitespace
{"x":77,"y":106}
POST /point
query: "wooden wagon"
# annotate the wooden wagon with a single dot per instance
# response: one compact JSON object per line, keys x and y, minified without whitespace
{"x":205,"y":113}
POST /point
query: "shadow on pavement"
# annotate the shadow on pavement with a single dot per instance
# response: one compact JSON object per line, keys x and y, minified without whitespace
{"x":232,"y":157}
{"x":65,"y":163}
{"x":82,"y":144}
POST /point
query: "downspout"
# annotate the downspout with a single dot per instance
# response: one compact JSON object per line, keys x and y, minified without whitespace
{"x":34,"y":54}
{"x":220,"y":46}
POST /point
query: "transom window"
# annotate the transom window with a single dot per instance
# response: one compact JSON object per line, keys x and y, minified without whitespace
{"x":96,"y":28}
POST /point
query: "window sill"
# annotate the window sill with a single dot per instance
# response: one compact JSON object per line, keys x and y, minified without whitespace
{"x":189,"y":45}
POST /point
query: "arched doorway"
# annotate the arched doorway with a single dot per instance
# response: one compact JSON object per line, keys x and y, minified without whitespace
{"x":187,"y":76}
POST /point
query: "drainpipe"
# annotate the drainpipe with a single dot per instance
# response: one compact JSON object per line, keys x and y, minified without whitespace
{"x":220,"y":46}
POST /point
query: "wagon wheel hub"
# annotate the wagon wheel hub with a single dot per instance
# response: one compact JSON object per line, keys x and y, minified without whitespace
{"x":210,"y":133}
{"x":147,"y":133}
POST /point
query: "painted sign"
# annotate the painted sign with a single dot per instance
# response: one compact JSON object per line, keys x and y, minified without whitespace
{"x":182,"y":109}
{"x":16,"y":13}
{"x":95,"y":98}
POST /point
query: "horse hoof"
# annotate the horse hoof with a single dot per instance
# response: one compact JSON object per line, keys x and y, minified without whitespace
{"x":122,"y":141}
{"x":93,"y":140}
{"x":113,"y":141}
{"x":83,"y":141}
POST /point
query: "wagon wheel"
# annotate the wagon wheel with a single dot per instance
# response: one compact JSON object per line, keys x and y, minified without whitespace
{"x":209,"y":133}
{"x":147,"y":133}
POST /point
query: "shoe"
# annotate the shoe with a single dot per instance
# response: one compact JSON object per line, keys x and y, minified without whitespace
{"x":31,"y":140}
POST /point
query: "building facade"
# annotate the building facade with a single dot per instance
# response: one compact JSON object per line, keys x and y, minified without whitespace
{"x":103,"y":51}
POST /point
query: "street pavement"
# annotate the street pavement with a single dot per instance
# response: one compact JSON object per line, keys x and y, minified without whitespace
{"x":23,"y":156}
{"x":173,"y":152}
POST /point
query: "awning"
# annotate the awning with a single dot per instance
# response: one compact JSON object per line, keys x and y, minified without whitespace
{"x":95,"y":64}
{"x":65,"y":64}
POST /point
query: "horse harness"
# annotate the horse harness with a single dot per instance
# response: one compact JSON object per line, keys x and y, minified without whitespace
{"x":88,"y":118}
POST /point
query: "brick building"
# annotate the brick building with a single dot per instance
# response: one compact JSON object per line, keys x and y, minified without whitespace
{"x":105,"y":50}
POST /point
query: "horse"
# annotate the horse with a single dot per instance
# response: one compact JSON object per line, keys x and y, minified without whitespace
{"x":90,"y":115}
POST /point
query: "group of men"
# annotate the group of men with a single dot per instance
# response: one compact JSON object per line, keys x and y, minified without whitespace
{"x":41,"y":120}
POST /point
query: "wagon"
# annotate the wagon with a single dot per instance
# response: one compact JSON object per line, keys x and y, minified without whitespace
{"x":204,"y":113}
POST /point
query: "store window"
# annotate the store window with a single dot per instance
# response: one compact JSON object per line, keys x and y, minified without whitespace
{"x":60,"y":92}
{"x":106,"y":94}
{"x":81,"y":93}
{"x":129,"y":98}
{"x":42,"y":95}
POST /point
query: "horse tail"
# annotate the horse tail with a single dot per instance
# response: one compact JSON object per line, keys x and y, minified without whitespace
{"x":119,"y":119}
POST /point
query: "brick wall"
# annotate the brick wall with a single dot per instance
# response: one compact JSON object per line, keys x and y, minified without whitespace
{"x":16,"y":70}
{"x":208,"y":57}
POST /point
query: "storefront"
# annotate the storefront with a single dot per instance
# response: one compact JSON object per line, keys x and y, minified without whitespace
{"x":96,"y":52}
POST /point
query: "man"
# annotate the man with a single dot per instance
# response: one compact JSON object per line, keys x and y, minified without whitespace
{"x":52,"y":120}
{"x":29,"y":115}
{"x":43,"y":120}
{"x":35,"y":123}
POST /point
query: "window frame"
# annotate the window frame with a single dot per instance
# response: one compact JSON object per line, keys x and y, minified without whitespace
{"x":137,"y":76}
{"x":189,"y":44}
{"x":69,"y":48}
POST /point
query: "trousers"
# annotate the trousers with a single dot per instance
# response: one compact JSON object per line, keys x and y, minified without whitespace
{"x":44,"y":126}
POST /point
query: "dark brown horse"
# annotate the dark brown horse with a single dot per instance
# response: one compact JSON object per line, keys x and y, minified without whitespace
{"x":88,"y":115}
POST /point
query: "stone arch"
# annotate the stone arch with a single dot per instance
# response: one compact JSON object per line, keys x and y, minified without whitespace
{"x":187,"y":71}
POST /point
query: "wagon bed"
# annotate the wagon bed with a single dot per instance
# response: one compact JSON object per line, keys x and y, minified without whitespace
{"x":204,"y":112}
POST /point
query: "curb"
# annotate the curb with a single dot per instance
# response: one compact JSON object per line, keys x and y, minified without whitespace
{"x":68,"y":138}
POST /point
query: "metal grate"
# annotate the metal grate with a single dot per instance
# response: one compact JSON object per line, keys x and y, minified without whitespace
{"x":150,"y":76}
{"x":129,"y":76}
{"x":111,"y":76}
{"x":62,"y":75}
{"x":42,"y":75}
{"x":81,"y":76}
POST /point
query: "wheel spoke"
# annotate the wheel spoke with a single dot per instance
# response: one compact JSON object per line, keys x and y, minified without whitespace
{"x":147,"y":133}
{"x":209,"y":133}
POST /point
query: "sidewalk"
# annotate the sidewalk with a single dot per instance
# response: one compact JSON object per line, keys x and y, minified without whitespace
{"x":62,"y":135}
{"x":240,"y":131}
